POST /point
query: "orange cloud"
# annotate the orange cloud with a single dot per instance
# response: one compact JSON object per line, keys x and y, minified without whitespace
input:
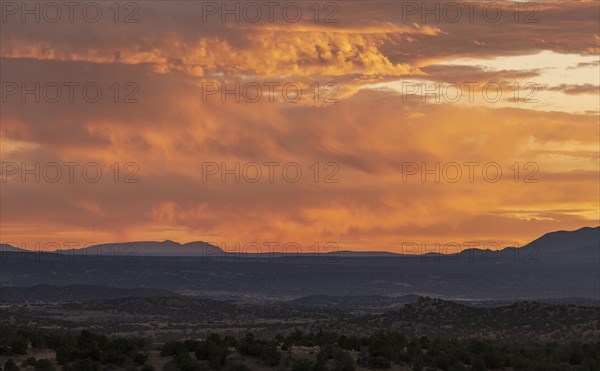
{"x":364,"y":142}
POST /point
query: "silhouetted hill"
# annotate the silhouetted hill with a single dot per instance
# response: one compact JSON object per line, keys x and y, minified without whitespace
{"x":4,"y":247}
{"x":150,"y":248}
{"x":583,"y":243}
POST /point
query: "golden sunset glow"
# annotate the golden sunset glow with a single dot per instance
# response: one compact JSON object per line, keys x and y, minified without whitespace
{"x":381,"y":164}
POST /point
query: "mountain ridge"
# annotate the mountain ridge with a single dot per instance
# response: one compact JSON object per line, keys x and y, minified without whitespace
{"x":585,"y":240}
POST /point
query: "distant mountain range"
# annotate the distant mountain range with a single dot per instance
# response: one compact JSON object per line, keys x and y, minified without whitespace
{"x":584,"y":242}
{"x":137,"y":248}
{"x":556,"y":265}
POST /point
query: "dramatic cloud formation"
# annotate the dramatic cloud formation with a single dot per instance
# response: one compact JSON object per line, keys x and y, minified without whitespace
{"x":312,"y":132}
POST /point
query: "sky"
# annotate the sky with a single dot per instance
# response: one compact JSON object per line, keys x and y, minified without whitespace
{"x":358,"y":125}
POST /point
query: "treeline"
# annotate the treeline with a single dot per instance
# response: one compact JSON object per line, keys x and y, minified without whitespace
{"x":215,"y":349}
{"x":85,"y":351}
{"x":298,"y":351}
{"x":381,"y":350}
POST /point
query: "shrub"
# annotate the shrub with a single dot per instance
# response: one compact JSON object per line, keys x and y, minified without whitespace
{"x":378,"y":362}
{"x":172,"y":348}
{"x":214,"y":350}
{"x":140,"y":358}
{"x":344,"y":362}
{"x":239,"y":367}
{"x":271,"y":355}
{"x":19,"y":346}
{"x":44,"y":365}
{"x":302,"y":365}
{"x":83,"y":365}
{"x":10,"y":365}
